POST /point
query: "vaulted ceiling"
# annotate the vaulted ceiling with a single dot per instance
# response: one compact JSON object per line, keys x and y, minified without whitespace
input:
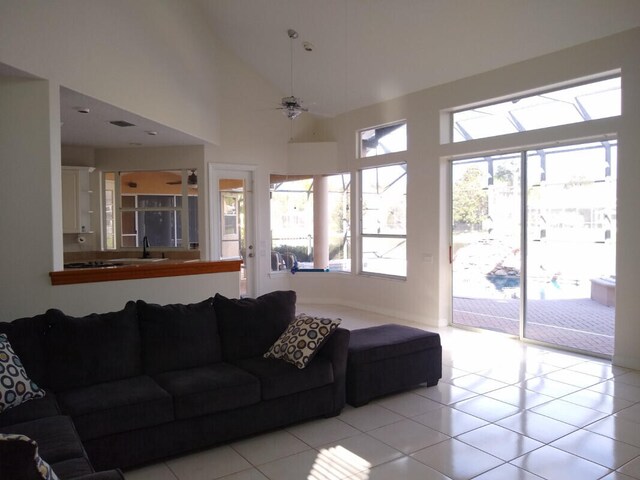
{"x":367,"y":51}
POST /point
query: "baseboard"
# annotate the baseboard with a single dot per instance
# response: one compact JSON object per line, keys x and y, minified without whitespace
{"x":626,"y":362}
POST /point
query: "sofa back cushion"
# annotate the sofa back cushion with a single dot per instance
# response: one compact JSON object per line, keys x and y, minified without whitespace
{"x":178,"y":336}
{"x":93,"y":349}
{"x":26,"y":336}
{"x":249,"y":326}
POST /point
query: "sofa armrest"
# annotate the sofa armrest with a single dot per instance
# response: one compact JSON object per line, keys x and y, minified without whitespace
{"x":105,"y":475}
{"x":336,"y":350}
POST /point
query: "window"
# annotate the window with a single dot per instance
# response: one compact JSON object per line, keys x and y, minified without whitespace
{"x":151,"y":205}
{"x":293,"y":225}
{"x":576,"y":104}
{"x":382,"y":140}
{"x":384,"y":220}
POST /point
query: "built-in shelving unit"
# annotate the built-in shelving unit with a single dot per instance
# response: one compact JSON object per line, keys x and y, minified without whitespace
{"x":76,"y":200}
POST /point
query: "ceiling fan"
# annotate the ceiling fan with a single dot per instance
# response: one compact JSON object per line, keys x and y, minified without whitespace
{"x":192,"y":180}
{"x":291,"y":106}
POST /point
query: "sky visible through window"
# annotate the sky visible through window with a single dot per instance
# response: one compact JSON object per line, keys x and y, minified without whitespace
{"x":601,"y":99}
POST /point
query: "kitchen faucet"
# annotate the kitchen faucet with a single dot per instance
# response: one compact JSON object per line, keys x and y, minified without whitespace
{"x":145,"y":247}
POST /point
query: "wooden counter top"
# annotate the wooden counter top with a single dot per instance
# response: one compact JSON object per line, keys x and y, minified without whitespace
{"x":169,"y":268}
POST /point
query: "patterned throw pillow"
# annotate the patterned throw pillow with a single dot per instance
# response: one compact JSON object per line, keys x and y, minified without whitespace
{"x":22,"y":459}
{"x":302,"y":339}
{"x":15,"y":385}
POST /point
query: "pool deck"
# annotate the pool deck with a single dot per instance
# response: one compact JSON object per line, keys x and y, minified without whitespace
{"x":576,"y":323}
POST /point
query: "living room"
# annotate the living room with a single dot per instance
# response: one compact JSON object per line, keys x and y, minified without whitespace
{"x":163,"y":62}
{"x":247,"y":137}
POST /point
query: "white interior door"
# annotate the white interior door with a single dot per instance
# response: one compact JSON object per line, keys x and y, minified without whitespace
{"x":232,"y":221}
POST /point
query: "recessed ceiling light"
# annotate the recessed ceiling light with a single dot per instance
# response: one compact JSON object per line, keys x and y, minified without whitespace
{"x":152,"y":132}
{"x":82,"y":109}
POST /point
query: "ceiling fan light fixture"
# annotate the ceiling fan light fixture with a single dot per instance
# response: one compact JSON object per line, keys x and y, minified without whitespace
{"x":291,"y":113}
{"x":291,"y":106}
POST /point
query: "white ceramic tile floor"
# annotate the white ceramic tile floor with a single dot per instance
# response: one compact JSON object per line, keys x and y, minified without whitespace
{"x":523,"y":412}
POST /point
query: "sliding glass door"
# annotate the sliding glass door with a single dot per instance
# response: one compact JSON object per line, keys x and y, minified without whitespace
{"x":486,"y":242}
{"x":571,"y":246}
{"x":553,"y":279}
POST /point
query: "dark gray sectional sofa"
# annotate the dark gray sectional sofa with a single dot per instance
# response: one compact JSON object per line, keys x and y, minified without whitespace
{"x":148,"y":382}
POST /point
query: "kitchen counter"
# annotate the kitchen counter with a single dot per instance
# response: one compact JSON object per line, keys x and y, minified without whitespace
{"x":113,"y":271}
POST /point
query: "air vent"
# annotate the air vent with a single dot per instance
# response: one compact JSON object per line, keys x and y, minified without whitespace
{"x":122,"y":123}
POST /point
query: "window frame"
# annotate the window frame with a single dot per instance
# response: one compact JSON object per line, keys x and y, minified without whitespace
{"x":362,"y":235}
{"x":516,"y":97}
{"x":398,"y":123}
{"x":347,"y":264}
{"x":117,"y":209}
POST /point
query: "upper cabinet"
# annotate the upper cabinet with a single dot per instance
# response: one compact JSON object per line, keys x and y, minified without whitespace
{"x":76,"y":200}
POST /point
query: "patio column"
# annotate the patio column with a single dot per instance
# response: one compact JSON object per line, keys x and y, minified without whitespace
{"x":321,"y":221}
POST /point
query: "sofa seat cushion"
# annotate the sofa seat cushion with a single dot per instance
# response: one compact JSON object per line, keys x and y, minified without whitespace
{"x":56,"y":437}
{"x":46,"y":406}
{"x":117,"y":406}
{"x":100,"y":347}
{"x":72,"y":468}
{"x":278,"y":378}
{"x":205,"y":390}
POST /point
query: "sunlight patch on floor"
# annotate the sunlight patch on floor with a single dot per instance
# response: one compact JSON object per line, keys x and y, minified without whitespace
{"x":336,"y":463}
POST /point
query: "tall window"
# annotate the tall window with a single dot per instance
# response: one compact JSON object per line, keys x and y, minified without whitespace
{"x":150,"y":204}
{"x":293,"y":224}
{"x":384,"y":220}
{"x":576,"y":104}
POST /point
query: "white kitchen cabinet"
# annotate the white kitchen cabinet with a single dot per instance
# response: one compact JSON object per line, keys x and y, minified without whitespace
{"x":76,"y":200}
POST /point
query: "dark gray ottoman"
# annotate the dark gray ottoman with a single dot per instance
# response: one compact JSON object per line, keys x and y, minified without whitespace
{"x":390,"y":358}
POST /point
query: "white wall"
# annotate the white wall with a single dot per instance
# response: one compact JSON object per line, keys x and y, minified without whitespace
{"x":627,"y":340}
{"x":30,"y":223}
{"x":157,"y":59}
{"x":425,"y":295}
{"x":254,"y":133}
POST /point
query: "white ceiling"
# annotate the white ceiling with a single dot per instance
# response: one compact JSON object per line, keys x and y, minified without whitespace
{"x":94,"y":128}
{"x":366,"y":51}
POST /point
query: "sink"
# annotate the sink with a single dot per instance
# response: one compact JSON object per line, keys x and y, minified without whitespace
{"x":138,"y":260}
